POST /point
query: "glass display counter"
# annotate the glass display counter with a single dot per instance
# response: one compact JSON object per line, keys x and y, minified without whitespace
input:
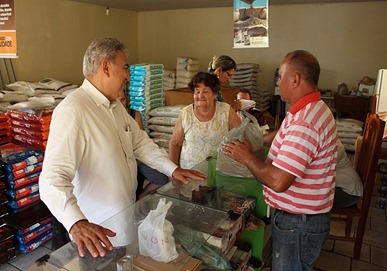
{"x":244,"y":187}
{"x":202,"y":208}
{"x":181,"y":214}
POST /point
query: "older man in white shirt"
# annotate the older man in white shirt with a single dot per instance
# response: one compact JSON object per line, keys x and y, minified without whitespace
{"x":89,"y":171}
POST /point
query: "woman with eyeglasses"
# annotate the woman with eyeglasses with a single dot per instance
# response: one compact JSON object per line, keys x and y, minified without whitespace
{"x":223,"y":67}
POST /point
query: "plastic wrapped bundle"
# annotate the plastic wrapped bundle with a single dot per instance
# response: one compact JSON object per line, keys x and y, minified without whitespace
{"x":186,"y":68}
{"x":146,"y":88}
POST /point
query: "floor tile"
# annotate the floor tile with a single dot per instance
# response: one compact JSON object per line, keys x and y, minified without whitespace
{"x":328,"y":245}
{"x":346,"y":249}
{"x":377,"y":212}
{"x":24,"y":261}
{"x":358,"y":265}
{"x":375,"y":238}
{"x":379,"y":256}
{"x":378,"y":224}
{"x":47,"y":244}
{"x":8,"y":267}
{"x":329,"y":261}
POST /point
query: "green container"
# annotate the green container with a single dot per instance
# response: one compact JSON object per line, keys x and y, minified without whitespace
{"x":244,"y":186}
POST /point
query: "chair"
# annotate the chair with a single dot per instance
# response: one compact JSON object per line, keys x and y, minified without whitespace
{"x":366,"y":168}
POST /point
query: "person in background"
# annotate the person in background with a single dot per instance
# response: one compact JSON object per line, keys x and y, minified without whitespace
{"x":155,"y":178}
{"x":298,"y":175}
{"x":349,"y":187}
{"x":244,"y":97}
{"x":89,"y":171}
{"x":223,"y":67}
{"x":201,"y":126}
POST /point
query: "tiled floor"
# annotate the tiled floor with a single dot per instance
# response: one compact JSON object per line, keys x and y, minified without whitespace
{"x":25,"y":262}
{"x":336,"y":255}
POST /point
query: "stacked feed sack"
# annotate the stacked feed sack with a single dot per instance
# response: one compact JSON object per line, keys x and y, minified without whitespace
{"x":186,"y":68}
{"x":161,"y":123}
{"x":348,"y":131}
{"x":22,"y":167}
{"x":246,"y":76}
{"x":5,"y":129}
{"x":146,"y":88}
{"x":7,"y":245}
{"x":30,"y":126}
{"x":169,"y":79}
{"x":46,"y":90}
{"x":28,"y":217}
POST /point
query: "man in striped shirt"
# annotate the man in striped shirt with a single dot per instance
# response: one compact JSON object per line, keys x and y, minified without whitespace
{"x":299,"y":172}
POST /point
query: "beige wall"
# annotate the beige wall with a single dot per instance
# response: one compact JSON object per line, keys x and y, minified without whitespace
{"x":349,"y":39}
{"x":52,"y":36}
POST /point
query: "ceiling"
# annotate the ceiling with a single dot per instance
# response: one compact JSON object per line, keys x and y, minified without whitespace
{"x":151,"y":5}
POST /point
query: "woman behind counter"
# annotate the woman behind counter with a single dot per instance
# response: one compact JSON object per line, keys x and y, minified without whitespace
{"x":223,"y":67}
{"x":201,"y":126}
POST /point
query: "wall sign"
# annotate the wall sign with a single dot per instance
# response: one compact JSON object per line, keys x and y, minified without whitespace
{"x":251,"y":28}
{"x":7,"y":29}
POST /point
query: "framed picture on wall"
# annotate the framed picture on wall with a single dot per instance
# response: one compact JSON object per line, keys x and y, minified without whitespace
{"x":251,"y":29}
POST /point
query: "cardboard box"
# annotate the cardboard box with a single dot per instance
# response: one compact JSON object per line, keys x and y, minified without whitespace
{"x":240,"y":260}
{"x":184,"y":262}
{"x":178,"y":96}
{"x":226,"y":235}
{"x":185,"y":95}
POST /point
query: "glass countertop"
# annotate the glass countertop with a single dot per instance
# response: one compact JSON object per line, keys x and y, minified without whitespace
{"x":218,"y":187}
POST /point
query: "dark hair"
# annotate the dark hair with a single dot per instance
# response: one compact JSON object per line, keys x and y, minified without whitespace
{"x":209,"y":80}
{"x":223,"y":61}
{"x":306,"y":64}
{"x":244,"y":90}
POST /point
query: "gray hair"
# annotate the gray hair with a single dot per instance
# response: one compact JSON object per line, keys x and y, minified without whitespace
{"x":98,"y":50}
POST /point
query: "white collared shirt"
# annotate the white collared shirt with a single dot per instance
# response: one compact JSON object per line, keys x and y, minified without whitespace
{"x":89,"y":169}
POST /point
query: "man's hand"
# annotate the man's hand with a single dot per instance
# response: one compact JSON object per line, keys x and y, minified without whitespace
{"x":239,"y":151}
{"x":236,"y":105}
{"x":93,"y":237}
{"x":183,"y":174}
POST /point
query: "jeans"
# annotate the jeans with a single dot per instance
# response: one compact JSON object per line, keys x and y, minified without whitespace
{"x":145,"y":172}
{"x":297,"y":239}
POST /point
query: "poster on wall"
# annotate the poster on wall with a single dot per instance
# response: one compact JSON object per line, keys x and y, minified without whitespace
{"x":7,"y":29}
{"x":251,"y":28}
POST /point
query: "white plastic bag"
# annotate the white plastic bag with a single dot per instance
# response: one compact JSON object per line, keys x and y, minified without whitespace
{"x":249,"y":129}
{"x":155,"y":235}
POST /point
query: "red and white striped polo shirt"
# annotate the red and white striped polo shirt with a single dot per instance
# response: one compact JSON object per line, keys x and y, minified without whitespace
{"x":306,"y":147}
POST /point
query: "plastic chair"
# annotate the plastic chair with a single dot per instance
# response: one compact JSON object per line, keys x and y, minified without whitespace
{"x":366,"y":167}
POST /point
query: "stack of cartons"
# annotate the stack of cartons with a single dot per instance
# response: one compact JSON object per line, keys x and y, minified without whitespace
{"x":146,"y":88}
{"x":186,"y":68}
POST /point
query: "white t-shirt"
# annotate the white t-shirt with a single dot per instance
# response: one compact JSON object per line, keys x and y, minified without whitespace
{"x":346,"y":176}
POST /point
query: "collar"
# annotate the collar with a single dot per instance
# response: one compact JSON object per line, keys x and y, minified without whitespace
{"x":97,"y":95}
{"x":301,"y":103}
